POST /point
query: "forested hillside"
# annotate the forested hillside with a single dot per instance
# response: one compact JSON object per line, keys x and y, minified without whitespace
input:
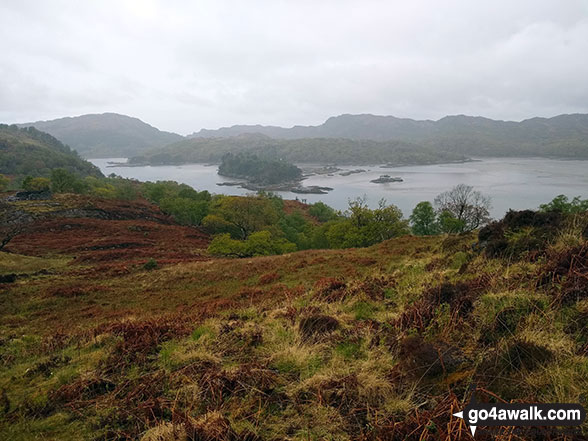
{"x":563,"y":135}
{"x":307,"y":150}
{"x":106,"y":135}
{"x":28,"y":151}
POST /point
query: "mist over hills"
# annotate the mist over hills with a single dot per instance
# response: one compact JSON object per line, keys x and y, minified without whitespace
{"x":300,"y":150}
{"x":563,"y":135}
{"x":115,"y":135}
{"x":105,"y":135}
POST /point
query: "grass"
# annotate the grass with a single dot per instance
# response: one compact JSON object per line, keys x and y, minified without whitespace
{"x":364,"y":310}
{"x":215,"y":347}
{"x":18,"y":264}
{"x":201,"y":331}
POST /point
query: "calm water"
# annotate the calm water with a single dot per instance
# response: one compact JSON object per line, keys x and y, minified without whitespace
{"x":511,"y":182}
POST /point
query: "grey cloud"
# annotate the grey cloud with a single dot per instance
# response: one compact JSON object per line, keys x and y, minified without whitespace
{"x":183,"y":65}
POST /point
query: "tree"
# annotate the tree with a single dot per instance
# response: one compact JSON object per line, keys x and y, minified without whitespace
{"x":36,"y":184}
{"x":223,"y":245}
{"x":247,"y":214}
{"x":562,"y":204}
{"x":469,"y":208}
{"x":260,"y":243}
{"x":364,"y":227}
{"x":62,"y":181}
{"x":185,"y":211}
{"x":386,"y":223}
{"x":423,"y":219}
{"x":449,"y":224}
{"x":322,"y":212}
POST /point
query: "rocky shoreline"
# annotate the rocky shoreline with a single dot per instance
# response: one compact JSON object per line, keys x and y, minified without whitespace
{"x":293,"y":187}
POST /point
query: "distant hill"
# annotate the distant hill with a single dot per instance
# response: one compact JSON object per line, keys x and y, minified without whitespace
{"x":560,"y":136}
{"x":305,"y":150}
{"x":28,"y":151}
{"x":106,"y":135}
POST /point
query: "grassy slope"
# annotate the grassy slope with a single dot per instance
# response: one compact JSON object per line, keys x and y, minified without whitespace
{"x":332,"y":344}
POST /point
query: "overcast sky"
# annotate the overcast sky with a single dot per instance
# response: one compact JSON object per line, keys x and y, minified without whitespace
{"x":186,"y":65}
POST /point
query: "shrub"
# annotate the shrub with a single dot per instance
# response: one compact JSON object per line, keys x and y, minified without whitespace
{"x":151,"y":264}
{"x":519,"y":233}
{"x":36,"y":184}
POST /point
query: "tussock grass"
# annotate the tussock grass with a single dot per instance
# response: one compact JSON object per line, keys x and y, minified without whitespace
{"x":298,"y":347}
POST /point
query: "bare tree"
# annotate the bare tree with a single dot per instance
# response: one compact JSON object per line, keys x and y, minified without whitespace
{"x":469,"y":209}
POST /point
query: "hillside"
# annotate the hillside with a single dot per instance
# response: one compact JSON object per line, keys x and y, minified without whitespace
{"x":31,"y":152}
{"x":378,"y":343}
{"x":111,"y":234}
{"x":106,"y":135}
{"x":560,"y":136}
{"x":305,"y":150}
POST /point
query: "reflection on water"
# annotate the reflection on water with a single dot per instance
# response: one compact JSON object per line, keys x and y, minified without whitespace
{"x":511,"y":182}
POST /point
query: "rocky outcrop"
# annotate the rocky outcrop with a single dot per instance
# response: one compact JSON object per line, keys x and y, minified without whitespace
{"x":41,"y":195}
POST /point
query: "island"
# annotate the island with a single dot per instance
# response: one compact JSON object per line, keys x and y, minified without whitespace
{"x":264,"y":174}
{"x":386,"y":178}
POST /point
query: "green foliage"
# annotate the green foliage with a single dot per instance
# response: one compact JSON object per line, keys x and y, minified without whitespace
{"x":364,"y":227}
{"x":214,"y":224}
{"x":562,"y":204}
{"x":258,"y":170}
{"x":185,"y":211}
{"x":151,"y":264}
{"x":260,"y":243}
{"x":423,"y":220}
{"x":322,"y":212}
{"x":63,"y":181}
{"x":245,"y":214}
{"x":27,"y":151}
{"x":449,"y":224}
{"x":36,"y":184}
{"x":186,"y":205}
{"x":125,"y":190}
{"x":296,"y":229}
{"x":224,"y":245}
{"x":160,"y":190}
